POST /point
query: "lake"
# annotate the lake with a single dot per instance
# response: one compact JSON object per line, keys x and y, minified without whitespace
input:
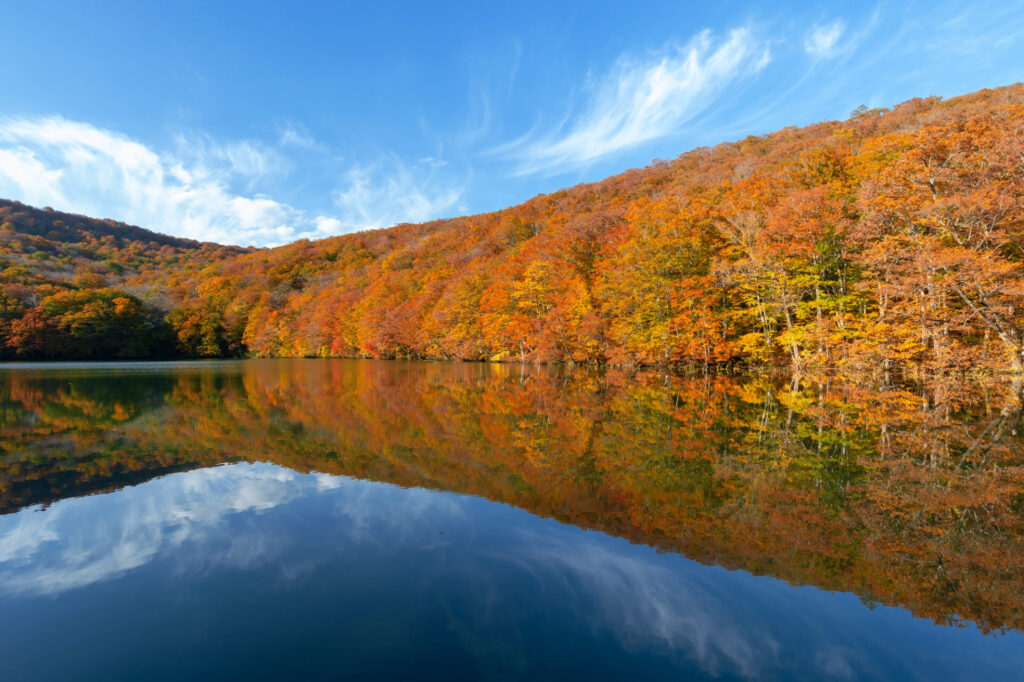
{"x":323,"y":519}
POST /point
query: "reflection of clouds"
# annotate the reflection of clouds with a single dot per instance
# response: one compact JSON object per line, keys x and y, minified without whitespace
{"x":385,"y":515}
{"x":78,"y":542}
{"x":22,"y":539}
{"x":834,"y":665}
{"x":645,"y":604}
{"x":485,"y":580}
{"x":327,"y":482}
{"x":210,"y":520}
{"x":81,"y":541}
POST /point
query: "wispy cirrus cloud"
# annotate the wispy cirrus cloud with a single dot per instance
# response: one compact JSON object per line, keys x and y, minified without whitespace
{"x":640,"y":100}
{"x":243,"y":161}
{"x":293,"y":135}
{"x":822,"y":41}
{"x":390,"y":191}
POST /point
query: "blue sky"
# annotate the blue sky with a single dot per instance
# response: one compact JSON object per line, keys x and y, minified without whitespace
{"x":260,"y":123}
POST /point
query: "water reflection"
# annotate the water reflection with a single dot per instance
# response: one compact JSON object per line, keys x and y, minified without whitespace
{"x":82,"y":541}
{"x":908,"y":498}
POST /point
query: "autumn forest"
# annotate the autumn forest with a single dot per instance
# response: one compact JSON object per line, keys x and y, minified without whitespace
{"x":889,"y":243}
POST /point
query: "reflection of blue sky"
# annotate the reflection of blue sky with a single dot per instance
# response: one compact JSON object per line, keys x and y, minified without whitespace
{"x":493,"y":578}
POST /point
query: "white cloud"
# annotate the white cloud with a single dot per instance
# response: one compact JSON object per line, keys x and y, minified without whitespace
{"x":246,"y":160}
{"x":390,"y":192}
{"x":261,"y":211}
{"x":823,"y":40}
{"x":291,"y":135}
{"x":202,"y":189}
{"x":27,"y":173}
{"x":642,"y":100}
{"x":78,"y":167}
{"x":433,"y":162}
{"x":326,"y":225}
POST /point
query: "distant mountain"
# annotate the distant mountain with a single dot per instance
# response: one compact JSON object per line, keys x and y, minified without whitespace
{"x":56,"y":226}
{"x":888,"y":241}
{"x":42,"y":234}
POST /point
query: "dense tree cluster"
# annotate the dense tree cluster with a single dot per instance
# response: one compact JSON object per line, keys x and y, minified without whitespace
{"x":891,"y":241}
{"x":89,"y":324}
{"x":67,"y":291}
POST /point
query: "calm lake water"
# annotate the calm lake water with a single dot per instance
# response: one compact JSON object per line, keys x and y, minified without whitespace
{"x":320,"y":519}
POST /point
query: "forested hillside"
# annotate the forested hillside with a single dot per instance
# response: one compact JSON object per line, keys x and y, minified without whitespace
{"x":66,"y":285}
{"x":893,"y":240}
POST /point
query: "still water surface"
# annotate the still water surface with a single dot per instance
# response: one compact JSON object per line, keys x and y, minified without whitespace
{"x":326,"y":519}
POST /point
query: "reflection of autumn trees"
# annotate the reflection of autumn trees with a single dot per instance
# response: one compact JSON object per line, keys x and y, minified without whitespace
{"x":62,"y":438}
{"x":903,"y":496}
